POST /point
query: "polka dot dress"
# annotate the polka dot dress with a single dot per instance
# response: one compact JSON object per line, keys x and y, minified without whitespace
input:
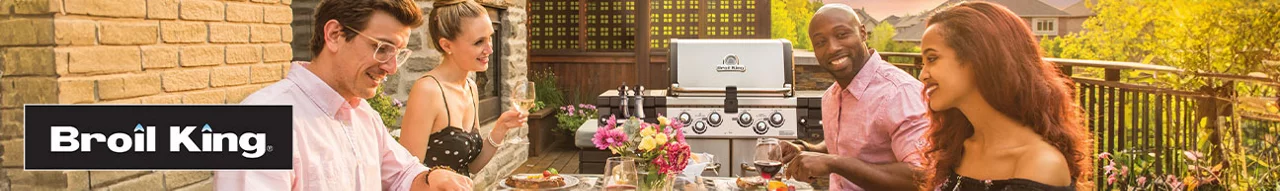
{"x":452,"y":146}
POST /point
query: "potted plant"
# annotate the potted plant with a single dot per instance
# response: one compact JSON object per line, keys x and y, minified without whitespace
{"x":570,"y":118}
{"x":542,"y":120}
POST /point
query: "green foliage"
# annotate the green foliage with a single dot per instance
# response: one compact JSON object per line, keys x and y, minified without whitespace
{"x":1235,"y":37}
{"x":1230,"y":36}
{"x":881,"y":39}
{"x":571,"y":117}
{"x":1052,"y":47}
{"x":548,"y":94}
{"x":790,"y":20}
{"x":388,"y":107}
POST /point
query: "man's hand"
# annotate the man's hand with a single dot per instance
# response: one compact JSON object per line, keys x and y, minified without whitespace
{"x":808,"y":165}
{"x":789,"y":150}
{"x":442,"y":180}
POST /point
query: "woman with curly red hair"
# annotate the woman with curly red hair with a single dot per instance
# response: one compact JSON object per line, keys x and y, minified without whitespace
{"x":1003,"y":118}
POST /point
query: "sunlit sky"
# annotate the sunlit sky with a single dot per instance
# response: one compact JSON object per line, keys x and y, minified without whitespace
{"x":883,"y":8}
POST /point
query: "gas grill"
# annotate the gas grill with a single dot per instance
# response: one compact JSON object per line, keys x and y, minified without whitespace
{"x":727,"y":93}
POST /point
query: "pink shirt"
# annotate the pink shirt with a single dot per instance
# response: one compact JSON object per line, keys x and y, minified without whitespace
{"x":336,"y":146}
{"x":879,"y":118}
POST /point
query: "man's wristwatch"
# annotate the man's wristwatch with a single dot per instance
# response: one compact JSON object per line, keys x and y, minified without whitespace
{"x":427,"y":177}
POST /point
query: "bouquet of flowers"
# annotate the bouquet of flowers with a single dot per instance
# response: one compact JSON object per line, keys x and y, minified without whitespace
{"x":660,"y":149}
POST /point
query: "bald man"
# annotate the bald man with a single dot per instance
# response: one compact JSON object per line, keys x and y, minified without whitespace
{"x":873,"y":117}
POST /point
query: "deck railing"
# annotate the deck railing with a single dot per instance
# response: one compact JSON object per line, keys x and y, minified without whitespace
{"x":1158,"y":121}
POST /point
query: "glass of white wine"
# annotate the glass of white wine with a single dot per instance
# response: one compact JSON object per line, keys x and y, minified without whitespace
{"x":523,"y":96}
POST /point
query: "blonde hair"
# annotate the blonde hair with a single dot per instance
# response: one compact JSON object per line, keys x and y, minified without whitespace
{"x":445,"y":19}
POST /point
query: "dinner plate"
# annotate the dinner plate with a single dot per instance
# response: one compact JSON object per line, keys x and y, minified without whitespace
{"x":569,"y":182}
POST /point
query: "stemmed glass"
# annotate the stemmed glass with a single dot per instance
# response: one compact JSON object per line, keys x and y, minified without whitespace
{"x":620,"y":174}
{"x":523,"y":95}
{"x":767,"y":160}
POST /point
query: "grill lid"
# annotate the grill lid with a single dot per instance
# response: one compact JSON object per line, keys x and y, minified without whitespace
{"x":707,"y":67}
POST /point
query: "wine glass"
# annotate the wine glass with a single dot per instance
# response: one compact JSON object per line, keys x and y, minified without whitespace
{"x":620,"y":173}
{"x":523,"y":96}
{"x":767,"y":161}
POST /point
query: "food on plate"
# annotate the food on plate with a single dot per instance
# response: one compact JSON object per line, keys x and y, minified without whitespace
{"x":753,"y":182}
{"x":757,"y":183}
{"x":548,"y":179}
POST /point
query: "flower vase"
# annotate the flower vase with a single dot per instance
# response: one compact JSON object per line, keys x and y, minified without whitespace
{"x":656,"y":181}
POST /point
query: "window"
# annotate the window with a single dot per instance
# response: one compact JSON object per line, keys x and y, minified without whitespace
{"x":489,"y":82}
{"x":1045,"y":26}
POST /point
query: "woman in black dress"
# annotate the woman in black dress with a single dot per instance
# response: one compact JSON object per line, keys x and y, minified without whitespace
{"x":440,"y":124}
{"x":1003,"y":118}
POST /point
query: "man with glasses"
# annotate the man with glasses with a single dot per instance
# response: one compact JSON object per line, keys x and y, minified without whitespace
{"x":340,"y":142}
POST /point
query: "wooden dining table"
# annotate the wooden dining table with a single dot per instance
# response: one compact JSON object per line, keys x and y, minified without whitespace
{"x":592,"y":182}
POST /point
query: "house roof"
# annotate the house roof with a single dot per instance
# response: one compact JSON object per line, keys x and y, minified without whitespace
{"x":910,"y":28}
{"x":1030,"y":8}
{"x":892,"y":19}
{"x":862,"y":13}
{"x":912,"y":33}
{"x":1080,"y":8}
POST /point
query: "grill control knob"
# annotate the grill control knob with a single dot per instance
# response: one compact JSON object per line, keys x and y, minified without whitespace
{"x":744,"y":119}
{"x":714,"y":119}
{"x":776,"y":119}
{"x":684,"y":117}
{"x":699,"y":127}
{"x":760,"y":128}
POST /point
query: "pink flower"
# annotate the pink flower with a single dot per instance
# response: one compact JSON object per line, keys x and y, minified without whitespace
{"x":1142,"y":180}
{"x":674,"y":159}
{"x":613,"y":122}
{"x":1104,"y":155}
{"x":1111,"y":179}
{"x":609,"y":137}
{"x":1124,"y":171}
{"x":1173,"y":182}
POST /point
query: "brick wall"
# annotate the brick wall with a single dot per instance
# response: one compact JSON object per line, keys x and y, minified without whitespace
{"x":132,"y":52}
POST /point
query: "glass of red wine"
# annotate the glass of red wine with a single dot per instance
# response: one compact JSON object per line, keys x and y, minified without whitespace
{"x":767,"y":160}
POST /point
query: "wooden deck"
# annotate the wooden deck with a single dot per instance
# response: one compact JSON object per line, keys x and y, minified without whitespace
{"x":564,"y":160}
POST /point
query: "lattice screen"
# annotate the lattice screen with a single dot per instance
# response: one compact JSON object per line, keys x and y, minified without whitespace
{"x":611,"y":25}
{"x":554,"y":25}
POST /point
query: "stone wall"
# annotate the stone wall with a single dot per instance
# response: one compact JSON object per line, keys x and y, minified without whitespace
{"x":132,"y":52}
{"x":810,"y":76}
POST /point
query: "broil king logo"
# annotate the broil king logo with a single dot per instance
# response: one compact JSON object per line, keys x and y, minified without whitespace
{"x":158,"y":137}
{"x":70,"y":139}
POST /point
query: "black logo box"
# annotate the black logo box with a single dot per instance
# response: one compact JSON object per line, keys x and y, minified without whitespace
{"x":274,"y":120}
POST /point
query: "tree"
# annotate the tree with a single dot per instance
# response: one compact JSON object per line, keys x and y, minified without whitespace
{"x":881,"y":39}
{"x":790,"y":20}
{"x":1228,"y":36}
{"x":1237,"y":37}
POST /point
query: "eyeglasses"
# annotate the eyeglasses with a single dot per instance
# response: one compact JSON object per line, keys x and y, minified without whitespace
{"x":386,"y":51}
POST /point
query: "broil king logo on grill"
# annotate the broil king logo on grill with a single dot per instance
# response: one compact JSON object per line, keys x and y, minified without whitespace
{"x":70,"y":139}
{"x":730,"y":64}
{"x":158,"y":137}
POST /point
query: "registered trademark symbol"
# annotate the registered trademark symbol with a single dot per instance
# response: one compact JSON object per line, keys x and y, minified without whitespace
{"x":268,"y":148}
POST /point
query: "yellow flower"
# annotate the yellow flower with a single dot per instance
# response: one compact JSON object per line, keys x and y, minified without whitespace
{"x":662,"y":120}
{"x":647,"y":143}
{"x":648,"y":132}
{"x":661,"y":138}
